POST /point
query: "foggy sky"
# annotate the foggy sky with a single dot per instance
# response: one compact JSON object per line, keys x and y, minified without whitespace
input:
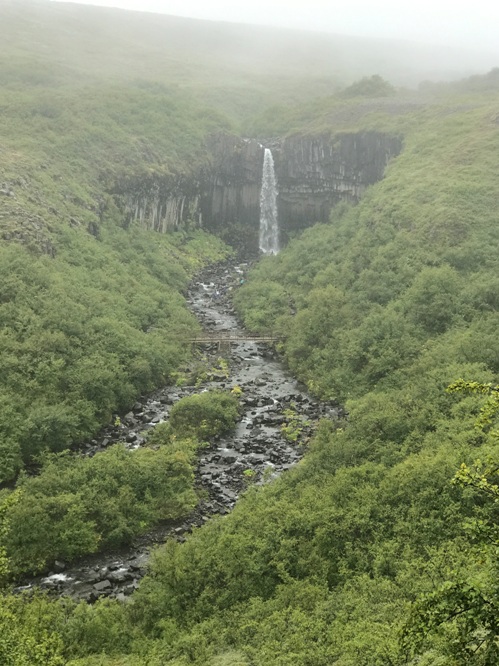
{"x":467,"y":23}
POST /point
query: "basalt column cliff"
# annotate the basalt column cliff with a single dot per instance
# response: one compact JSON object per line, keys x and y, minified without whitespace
{"x":313,"y":173}
{"x":317,"y":172}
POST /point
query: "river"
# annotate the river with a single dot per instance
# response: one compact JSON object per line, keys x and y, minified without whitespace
{"x":256,"y":450}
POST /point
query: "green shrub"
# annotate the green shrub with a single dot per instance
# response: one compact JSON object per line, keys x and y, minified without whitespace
{"x":77,"y":506}
{"x":205,"y":415}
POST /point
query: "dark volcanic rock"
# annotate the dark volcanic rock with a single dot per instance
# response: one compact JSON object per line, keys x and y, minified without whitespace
{"x":317,"y":172}
{"x":103,"y":585}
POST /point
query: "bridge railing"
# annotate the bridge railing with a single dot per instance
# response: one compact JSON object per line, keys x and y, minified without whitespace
{"x":228,"y":338}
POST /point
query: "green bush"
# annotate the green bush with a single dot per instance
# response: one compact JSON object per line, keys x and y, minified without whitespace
{"x":205,"y":415}
{"x":30,"y":631}
{"x":77,"y":506}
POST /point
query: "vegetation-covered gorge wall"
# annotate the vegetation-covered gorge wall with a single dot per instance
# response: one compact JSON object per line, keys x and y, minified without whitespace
{"x":314,"y":173}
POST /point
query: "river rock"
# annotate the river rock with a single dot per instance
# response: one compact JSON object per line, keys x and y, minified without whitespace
{"x":228,"y":457}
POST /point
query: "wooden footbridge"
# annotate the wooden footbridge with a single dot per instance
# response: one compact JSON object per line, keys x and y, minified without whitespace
{"x":229,"y":337}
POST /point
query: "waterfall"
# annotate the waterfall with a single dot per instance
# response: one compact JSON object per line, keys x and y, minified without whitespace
{"x":269,"y":228}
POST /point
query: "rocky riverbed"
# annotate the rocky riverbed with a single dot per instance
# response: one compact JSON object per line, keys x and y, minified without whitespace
{"x":256,"y":452}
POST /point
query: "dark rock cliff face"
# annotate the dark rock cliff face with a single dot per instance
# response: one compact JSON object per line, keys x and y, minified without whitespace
{"x":231,"y":184}
{"x":314,"y":173}
{"x":224,"y":190}
{"x":159,"y":203}
{"x":317,"y":172}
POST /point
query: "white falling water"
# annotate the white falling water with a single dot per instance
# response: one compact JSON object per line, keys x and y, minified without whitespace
{"x":269,"y":228}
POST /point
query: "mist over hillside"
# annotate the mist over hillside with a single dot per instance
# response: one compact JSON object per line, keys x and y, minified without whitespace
{"x":86,"y":41}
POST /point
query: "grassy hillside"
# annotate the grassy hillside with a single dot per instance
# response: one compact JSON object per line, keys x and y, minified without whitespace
{"x":396,"y":298}
{"x":81,"y":292}
{"x":91,"y":312}
{"x":236,"y":68}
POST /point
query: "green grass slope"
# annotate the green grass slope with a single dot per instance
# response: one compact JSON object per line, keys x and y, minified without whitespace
{"x":92,"y":308}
